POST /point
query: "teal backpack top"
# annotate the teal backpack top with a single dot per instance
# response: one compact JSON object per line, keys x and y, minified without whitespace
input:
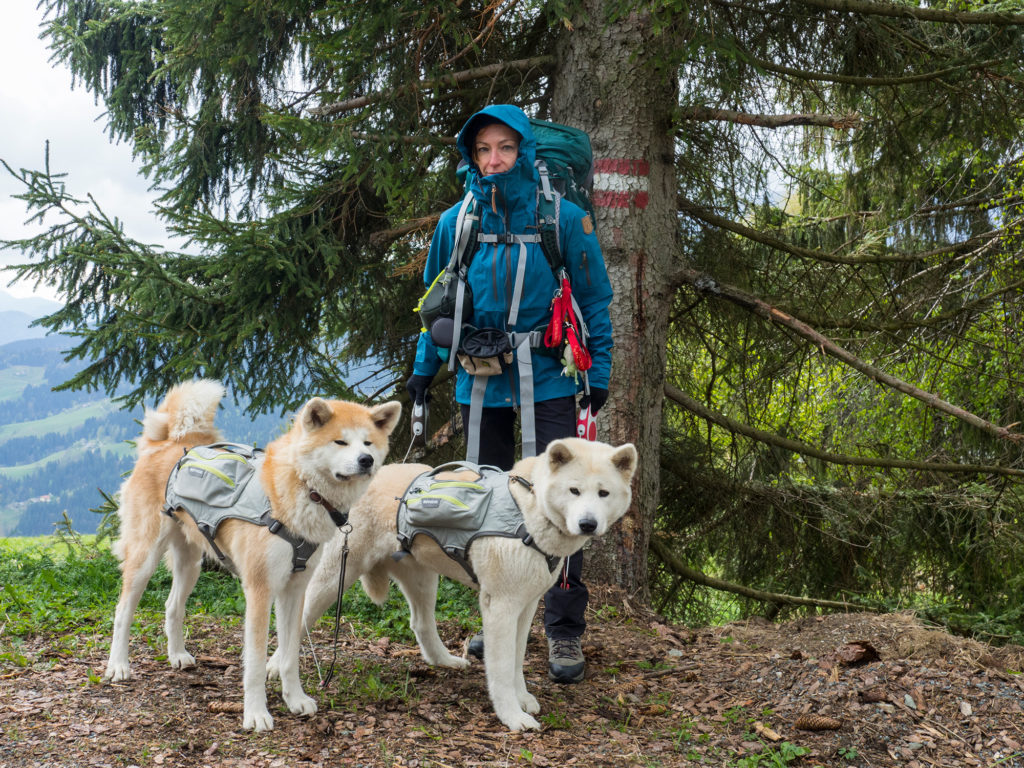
{"x":568,"y":161}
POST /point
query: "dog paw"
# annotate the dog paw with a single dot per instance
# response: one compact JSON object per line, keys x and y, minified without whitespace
{"x":301,"y":704}
{"x":529,"y":703}
{"x":273,"y":667}
{"x":258,"y":721}
{"x":181,"y":660}
{"x":117,"y":671}
{"x":520,"y":722}
{"x":453,"y":662}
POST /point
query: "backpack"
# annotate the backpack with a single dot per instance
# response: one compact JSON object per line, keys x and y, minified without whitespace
{"x":568,"y":161}
{"x":213,"y":483}
{"x":454,"y":513}
{"x":564,"y":161}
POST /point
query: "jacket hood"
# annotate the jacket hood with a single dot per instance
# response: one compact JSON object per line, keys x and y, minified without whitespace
{"x":515,"y":119}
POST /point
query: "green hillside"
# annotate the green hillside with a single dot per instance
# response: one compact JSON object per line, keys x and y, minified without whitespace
{"x":58,"y":422}
{"x":13,"y":380}
{"x":60,"y":451}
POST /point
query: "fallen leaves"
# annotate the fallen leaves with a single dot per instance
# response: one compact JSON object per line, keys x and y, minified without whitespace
{"x":654,"y":694}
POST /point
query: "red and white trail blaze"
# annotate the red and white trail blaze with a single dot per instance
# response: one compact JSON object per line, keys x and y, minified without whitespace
{"x":621,"y":183}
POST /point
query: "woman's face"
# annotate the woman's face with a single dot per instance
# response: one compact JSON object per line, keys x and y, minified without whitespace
{"x":495,"y":148}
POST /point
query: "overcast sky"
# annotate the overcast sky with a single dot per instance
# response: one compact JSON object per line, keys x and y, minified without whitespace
{"x":38,"y":104}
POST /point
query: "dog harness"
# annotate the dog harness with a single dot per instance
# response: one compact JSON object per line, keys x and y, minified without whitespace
{"x":213,"y":483}
{"x":454,"y":513}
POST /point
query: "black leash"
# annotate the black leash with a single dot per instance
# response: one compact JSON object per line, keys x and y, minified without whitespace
{"x":326,"y":680}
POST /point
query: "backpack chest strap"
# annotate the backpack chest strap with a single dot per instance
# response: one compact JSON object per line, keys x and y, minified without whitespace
{"x":510,"y":239}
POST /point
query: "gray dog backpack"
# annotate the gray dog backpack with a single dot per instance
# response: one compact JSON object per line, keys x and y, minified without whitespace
{"x":454,"y":513}
{"x":213,"y":483}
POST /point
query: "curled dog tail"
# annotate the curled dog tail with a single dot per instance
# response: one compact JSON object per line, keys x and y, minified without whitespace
{"x":188,"y":407}
{"x":375,"y":584}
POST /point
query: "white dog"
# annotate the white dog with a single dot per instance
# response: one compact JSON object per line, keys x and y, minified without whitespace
{"x":575,"y":490}
{"x":310,"y":476}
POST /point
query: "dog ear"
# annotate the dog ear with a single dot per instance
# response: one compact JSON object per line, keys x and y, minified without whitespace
{"x":559,"y":454}
{"x":625,"y":460}
{"x":385,"y":417}
{"x":315,"y":414}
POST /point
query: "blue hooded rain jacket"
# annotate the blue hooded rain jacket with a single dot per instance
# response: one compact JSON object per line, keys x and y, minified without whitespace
{"x":507,"y":203}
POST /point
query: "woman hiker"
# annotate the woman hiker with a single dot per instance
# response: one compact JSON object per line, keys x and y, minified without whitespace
{"x":499,"y":147}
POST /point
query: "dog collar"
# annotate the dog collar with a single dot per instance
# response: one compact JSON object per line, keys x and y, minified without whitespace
{"x":339,"y":518}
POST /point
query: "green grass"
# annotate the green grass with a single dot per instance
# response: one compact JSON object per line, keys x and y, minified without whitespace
{"x":60,"y":422}
{"x":51,"y":584}
{"x":455,"y":603}
{"x":14,"y":379}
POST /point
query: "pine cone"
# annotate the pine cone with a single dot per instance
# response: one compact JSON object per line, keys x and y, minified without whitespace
{"x":817,"y":723}
{"x":224,"y":706}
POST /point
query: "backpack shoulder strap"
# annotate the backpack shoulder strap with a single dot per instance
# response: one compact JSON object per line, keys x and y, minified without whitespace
{"x":467,"y":226}
{"x":548,"y":212}
{"x":549,"y":208}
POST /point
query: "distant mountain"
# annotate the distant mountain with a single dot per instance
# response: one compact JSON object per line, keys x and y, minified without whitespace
{"x":14,"y":326}
{"x":32,"y":306}
{"x":17,"y":314}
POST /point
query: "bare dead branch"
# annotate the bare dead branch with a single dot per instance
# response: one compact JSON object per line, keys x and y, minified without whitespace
{"x":699,"y":409}
{"x":917,"y":12}
{"x":827,"y":346}
{"x":453,"y":80}
{"x":872,"y":82}
{"x":664,"y":553}
{"x":425,"y":224}
{"x":710,"y":217}
{"x":839,"y":122}
{"x":699,"y":212}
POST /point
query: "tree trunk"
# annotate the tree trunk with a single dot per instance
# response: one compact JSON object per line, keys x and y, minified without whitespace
{"x":606,"y":84}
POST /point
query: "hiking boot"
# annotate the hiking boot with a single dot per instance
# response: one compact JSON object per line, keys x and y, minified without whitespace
{"x":476,"y":645}
{"x":565,"y":659}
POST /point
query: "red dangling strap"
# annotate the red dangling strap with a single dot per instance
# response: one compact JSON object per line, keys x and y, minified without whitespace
{"x":563,"y":320}
{"x":580,"y":356}
{"x":561,"y":306}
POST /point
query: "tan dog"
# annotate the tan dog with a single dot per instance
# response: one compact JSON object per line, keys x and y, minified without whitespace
{"x":333,"y":448}
{"x":575,"y":490}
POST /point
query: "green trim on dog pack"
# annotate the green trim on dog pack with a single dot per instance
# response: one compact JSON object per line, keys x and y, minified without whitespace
{"x":212,"y":483}
{"x":454,"y":513}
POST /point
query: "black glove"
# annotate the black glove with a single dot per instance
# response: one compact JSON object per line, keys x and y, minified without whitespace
{"x":596,"y":399}
{"x":417,"y":385}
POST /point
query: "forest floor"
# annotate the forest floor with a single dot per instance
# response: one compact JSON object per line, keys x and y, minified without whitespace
{"x":836,"y":690}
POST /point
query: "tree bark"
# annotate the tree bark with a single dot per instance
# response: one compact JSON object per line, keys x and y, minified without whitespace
{"x":606,"y":83}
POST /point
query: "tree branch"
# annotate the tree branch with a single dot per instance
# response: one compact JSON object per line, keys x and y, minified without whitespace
{"x":870,"y":82}
{"x":699,"y":409}
{"x":698,"y":212}
{"x":674,"y":564}
{"x":916,"y":12}
{"x":707,"y":284}
{"x":454,"y":79}
{"x":839,"y":122}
